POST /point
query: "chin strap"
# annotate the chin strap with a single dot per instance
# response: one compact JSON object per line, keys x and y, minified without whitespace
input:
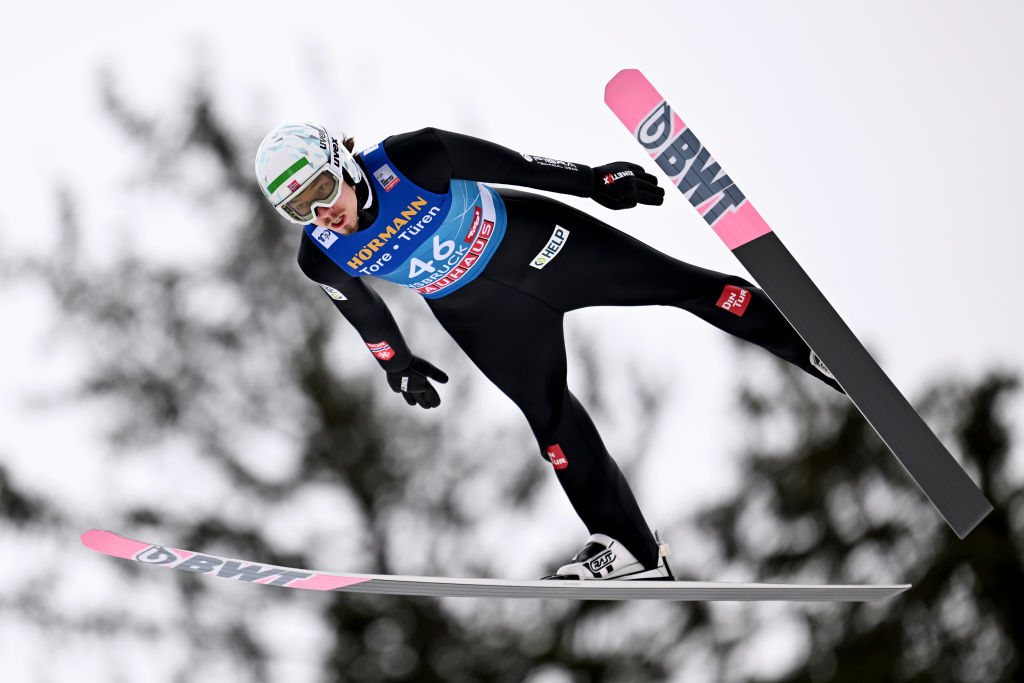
{"x":364,"y":196}
{"x":364,"y":193}
{"x":367,"y":191}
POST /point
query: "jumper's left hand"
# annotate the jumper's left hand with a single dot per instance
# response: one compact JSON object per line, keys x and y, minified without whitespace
{"x":622,"y":185}
{"x":413,"y":382}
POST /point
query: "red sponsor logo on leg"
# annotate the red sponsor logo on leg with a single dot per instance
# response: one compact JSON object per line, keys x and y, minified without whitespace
{"x":734,"y":299}
{"x":557,"y":457}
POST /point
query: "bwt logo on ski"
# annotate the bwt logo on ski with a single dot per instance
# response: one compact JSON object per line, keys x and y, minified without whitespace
{"x":734,"y":299}
{"x":554,"y":245}
{"x":228,"y":569}
{"x":689,"y":165}
{"x":612,"y":177}
{"x":557,"y":457}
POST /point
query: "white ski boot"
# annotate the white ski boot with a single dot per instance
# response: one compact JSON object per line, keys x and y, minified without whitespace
{"x":605,"y":558}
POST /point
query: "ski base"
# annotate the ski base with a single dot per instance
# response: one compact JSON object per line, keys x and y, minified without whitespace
{"x":116,"y":545}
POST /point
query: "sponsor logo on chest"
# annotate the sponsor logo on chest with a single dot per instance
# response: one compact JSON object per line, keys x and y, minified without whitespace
{"x":453,"y":261}
{"x":550,"y":251}
{"x":402,"y":227}
{"x":386,"y":177}
{"x":324,"y":236}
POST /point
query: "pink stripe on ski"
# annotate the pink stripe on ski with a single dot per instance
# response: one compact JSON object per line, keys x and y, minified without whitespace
{"x":324,"y":582}
{"x":109,"y":543}
{"x":738,"y":227}
{"x":632,"y":97}
{"x":112,"y":544}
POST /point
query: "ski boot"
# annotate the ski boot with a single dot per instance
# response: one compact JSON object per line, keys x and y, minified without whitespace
{"x":604,"y":558}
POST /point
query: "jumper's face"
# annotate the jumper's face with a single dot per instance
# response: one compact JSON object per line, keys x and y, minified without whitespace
{"x":320,"y":190}
{"x":343,"y":215}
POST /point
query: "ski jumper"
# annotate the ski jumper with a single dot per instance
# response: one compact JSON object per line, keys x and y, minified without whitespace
{"x":499,"y":269}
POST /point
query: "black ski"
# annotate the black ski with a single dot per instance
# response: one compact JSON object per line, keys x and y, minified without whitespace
{"x":724,"y":207}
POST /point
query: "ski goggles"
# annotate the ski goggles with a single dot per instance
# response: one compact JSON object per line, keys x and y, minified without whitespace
{"x":320,"y":190}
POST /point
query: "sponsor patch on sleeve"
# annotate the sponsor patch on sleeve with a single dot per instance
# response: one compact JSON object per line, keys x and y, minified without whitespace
{"x":552,"y":163}
{"x":333,"y":293}
{"x":381,"y":350}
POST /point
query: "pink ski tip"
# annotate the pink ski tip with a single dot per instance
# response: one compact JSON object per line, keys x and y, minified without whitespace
{"x":110,"y":543}
{"x":632,"y":97}
{"x":614,"y":80}
{"x":92,"y":538}
{"x":621,"y":81}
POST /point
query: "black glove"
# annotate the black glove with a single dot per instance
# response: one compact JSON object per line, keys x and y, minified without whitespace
{"x":622,"y":185}
{"x":414,"y":385}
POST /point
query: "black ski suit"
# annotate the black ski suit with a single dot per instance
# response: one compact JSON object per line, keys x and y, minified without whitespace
{"x":509,"y":319}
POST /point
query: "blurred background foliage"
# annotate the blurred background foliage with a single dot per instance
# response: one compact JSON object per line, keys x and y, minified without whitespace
{"x":240,"y":417}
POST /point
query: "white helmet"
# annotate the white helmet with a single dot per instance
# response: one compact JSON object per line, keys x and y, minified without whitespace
{"x":292,"y":157}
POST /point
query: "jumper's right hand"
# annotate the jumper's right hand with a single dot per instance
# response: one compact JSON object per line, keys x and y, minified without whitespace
{"x":413,"y":382}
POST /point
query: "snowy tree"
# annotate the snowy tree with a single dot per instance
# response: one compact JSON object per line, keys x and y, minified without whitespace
{"x":829,"y":502}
